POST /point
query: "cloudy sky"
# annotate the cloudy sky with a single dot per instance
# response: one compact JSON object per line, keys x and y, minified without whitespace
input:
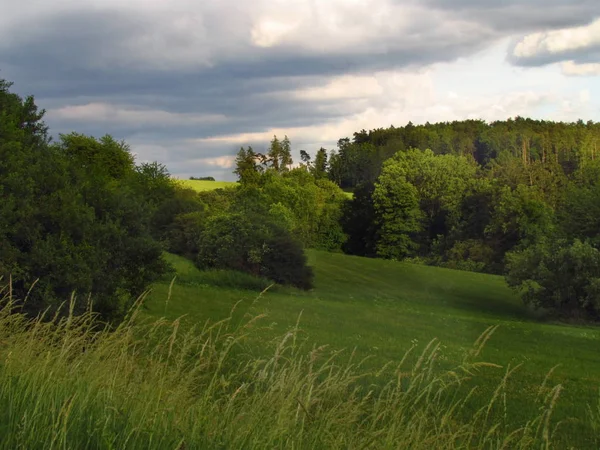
{"x":187,"y":82}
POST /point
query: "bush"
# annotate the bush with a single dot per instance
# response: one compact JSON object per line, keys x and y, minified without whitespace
{"x":561,"y":277}
{"x":284,"y":261}
{"x":254,"y":245}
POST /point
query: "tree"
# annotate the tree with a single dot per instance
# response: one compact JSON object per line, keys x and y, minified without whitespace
{"x":153,"y":182}
{"x":103,"y":157}
{"x":286,"y":154}
{"x":441,"y":183}
{"x":561,"y":277}
{"x":320,"y":167}
{"x":184,"y":232}
{"x":305,"y":158}
{"x":520,"y":218}
{"x":397,"y":215}
{"x":70,"y":217}
{"x":280,"y":154}
{"x":579,"y":213}
{"x":247,"y":166}
{"x":182,"y":201}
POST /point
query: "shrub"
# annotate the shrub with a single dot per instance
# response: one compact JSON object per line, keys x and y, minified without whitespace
{"x":255,"y":245}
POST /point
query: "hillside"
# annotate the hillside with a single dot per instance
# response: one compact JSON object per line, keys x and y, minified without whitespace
{"x":380,"y":308}
{"x":201,"y":185}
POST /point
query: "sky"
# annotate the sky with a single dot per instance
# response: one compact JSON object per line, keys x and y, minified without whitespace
{"x":187,"y":82}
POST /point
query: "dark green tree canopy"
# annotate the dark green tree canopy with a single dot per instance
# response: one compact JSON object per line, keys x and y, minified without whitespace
{"x":71,"y":218}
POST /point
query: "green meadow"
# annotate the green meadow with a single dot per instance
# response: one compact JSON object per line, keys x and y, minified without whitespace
{"x":380,"y":309}
{"x":379,"y":354}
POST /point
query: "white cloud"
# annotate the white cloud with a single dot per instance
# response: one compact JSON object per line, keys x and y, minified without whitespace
{"x":267,"y":32}
{"x":343,"y":87}
{"x":560,"y":41}
{"x":222,"y":162}
{"x":574,"y":69}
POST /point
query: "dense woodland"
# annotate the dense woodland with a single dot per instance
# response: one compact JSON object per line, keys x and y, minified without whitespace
{"x":519,"y":198}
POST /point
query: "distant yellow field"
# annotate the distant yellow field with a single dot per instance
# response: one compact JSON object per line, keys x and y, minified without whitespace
{"x":201,"y":185}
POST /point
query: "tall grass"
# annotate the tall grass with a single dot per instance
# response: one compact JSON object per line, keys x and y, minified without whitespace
{"x":72,"y":383}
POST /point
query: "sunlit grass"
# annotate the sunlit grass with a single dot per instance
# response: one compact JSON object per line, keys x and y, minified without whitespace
{"x":379,"y":309}
{"x":72,"y":383}
{"x":203,"y":185}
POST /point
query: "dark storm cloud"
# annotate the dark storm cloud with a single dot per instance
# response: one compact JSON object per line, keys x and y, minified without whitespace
{"x":79,"y":57}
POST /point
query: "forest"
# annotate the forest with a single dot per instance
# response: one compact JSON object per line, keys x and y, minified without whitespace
{"x":519,"y":198}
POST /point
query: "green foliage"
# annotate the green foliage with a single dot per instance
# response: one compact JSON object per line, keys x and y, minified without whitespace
{"x":520,"y":217}
{"x":558,"y":276}
{"x":472,"y":255}
{"x":183,"y":234}
{"x":282,"y":216}
{"x":580,"y":212}
{"x":248,"y":166}
{"x":442,"y":183}
{"x":299,"y":200}
{"x":515,"y":143}
{"x":417,"y":198}
{"x":100,"y":157}
{"x":218,"y":200}
{"x":397,"y":213}
{"x":182,"y":201}
{"x":280,"y":154}
{"x":320,"y":165}
{"x":253,"y":245}
{"x":155,"y":183}
{"x":506,"y":184}
{"x":72,"y":218}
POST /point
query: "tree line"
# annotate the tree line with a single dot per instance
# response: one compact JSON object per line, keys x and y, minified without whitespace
{"x":519,"y":198}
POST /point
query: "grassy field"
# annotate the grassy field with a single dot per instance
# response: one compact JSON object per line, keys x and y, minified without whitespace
{"x":205,"y":363}
{"x":382,"y":308}
{"x":201,"y":185}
